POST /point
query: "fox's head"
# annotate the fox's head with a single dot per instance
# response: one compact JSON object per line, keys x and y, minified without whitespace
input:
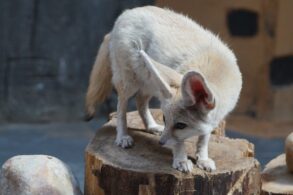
{"x":186,"y":112}
{"x":186,"y":107}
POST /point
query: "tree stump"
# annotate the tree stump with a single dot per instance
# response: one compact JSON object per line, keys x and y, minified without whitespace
{"x":276,"y":178}
{"x":146,"y":168}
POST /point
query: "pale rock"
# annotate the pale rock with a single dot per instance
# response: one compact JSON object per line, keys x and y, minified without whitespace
{"x":289,"y":152}
{"x":37,"y":175}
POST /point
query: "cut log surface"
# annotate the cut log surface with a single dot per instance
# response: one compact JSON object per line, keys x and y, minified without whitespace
{"x":146,"y":168}
{"x":276,"y":178}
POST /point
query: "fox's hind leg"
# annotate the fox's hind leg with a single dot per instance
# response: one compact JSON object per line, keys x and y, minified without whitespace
{"x":125,"y":91}
{"x":142,"y":104}
{"x":125,"y":82}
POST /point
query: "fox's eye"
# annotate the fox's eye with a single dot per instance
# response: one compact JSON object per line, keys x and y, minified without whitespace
{"x":164,"y":119}
{"x":180,"y":126}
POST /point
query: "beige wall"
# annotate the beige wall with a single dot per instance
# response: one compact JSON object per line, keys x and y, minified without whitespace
{"x":274,"y":38}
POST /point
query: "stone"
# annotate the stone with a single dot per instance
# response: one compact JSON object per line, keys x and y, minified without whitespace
{"x":37,"y":174}
{"x":289,"y":152}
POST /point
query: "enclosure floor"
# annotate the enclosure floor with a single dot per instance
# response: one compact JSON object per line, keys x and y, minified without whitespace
{"x":67,"y":142}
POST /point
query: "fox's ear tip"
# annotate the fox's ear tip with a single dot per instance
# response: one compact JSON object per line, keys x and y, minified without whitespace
{"x":168,"y":95}
{"x":194,"y":73}
{"x":88,"y":117}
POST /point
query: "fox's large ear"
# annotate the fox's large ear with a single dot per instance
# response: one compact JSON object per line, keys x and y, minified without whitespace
{"x":161,"y":84}
{"x":196,"y":93}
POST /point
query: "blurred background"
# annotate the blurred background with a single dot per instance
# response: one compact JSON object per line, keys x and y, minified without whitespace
{"x":47,"y":49}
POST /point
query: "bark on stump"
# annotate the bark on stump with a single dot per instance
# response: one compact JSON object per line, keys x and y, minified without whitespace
{"x":276,"y":178}
{"x":146,"y":168}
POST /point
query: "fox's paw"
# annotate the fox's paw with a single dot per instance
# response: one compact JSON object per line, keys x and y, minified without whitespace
{"x":207,"y":164}
{"x":125,"y":141}
{"x":156,"y":129}
{"x":183,"y":165}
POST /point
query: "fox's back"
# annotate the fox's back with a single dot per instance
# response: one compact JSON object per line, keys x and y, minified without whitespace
{"x":168,"y":37}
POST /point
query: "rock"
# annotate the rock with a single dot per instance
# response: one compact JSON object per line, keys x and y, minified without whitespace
{"x":289,"y":152}
{"x":276,"y":179}
{"x":37,"y":174}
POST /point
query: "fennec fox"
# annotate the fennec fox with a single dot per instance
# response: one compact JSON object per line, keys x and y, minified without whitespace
{"x":154,"y":52}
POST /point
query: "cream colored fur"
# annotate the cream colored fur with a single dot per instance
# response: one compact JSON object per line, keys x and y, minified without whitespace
{"x":100,"y":84}
{"x":150,"y":47}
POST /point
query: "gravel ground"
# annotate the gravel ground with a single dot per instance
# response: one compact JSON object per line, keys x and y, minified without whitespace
{"x":67,"y":142}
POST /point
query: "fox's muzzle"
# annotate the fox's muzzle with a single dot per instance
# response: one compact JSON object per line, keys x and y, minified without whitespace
{"x":164,"y":138}
{"x":162,"y":142}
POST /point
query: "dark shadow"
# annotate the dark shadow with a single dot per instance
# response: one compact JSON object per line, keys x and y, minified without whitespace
{"x":281,"y":71}
{"x":242,"y":22}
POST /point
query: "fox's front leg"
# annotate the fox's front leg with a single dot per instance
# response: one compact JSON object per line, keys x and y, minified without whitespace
{"x":203,"y":160}
{"x":180,"y":160}
{"x":142,"y":104}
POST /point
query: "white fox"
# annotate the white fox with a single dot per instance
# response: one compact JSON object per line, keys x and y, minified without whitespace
{"x":154,"y":52}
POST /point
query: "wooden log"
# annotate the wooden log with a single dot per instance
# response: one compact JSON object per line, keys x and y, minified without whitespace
{"x":146,"y":168}
{"x":276,"y":178}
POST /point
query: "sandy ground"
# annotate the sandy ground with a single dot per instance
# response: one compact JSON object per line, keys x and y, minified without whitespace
{"x":67,"y":142}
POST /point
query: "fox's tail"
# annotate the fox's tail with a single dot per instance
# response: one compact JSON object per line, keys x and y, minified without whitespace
{"x":100,"y":85}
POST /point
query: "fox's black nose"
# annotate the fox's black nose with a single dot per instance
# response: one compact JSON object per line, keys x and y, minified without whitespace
{"x":161,"y":142}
